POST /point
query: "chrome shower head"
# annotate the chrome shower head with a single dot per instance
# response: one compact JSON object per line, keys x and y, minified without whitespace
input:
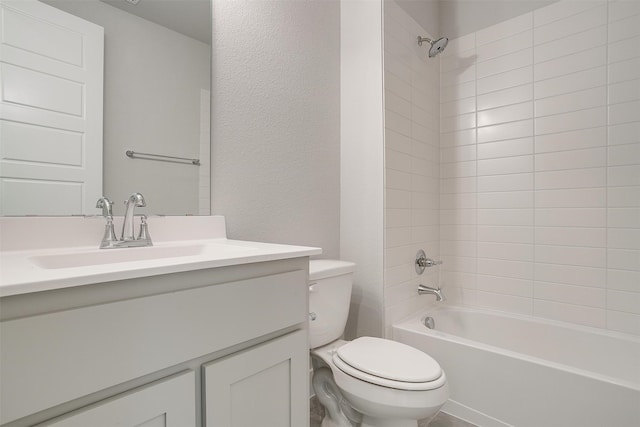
{"x":437,"y":46}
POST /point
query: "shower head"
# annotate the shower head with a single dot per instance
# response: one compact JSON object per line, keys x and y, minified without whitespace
{"x":437,"y":46}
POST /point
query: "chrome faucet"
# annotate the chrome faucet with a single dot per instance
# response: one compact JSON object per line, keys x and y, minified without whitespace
{"x":422,"y":289}
{"x":127,"y":239}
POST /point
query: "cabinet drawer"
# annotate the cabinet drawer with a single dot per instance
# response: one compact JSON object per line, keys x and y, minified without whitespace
{"x":50,"y":359}
{"x":169,"y":402}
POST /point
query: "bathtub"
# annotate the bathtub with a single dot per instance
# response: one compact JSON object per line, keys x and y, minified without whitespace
{"x":510,"y":370}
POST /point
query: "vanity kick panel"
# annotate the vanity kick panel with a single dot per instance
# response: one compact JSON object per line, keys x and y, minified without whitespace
{"x":50,"y":359}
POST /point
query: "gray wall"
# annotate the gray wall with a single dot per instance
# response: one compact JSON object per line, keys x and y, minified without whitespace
{"x":275,"y":121}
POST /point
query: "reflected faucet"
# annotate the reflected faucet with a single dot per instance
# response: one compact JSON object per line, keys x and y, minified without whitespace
{"x":422,"y":289}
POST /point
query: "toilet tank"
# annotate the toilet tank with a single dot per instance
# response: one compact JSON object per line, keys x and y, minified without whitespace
{"x":330,"y":283}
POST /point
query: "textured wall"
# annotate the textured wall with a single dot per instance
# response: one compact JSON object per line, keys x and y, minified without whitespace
{"x":362,"y":161}
{"x":540,"y":165}
{"x":275,"y":121}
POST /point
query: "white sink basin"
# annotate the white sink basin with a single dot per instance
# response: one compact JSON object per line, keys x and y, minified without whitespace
{"x":112,"y":256}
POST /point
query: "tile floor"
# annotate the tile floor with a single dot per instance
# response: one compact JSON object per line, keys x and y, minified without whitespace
{"x":446,"y":420}
{"x":441,"y":420}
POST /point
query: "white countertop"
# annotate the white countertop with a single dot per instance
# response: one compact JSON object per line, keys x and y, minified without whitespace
{"x":20,"y":272}
{"x":27,"y":270}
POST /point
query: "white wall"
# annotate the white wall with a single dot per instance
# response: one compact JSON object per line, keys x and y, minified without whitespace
{"x":275,"y":121}
{"x":411,"y":81}
{"x":153,"y":78}
{"x":362,"y":161}
{"x":461,"y":17}
{"x":540,"y":165}
{"x":426,"y":13}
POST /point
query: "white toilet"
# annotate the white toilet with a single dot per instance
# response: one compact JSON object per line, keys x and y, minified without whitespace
{"x":370,"y":382}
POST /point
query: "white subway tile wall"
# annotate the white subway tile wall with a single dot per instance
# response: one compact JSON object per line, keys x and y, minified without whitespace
{"x":412,"y":152}
{"x":540,"y":165}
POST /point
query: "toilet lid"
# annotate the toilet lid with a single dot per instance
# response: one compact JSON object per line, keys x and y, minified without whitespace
{"x":384,"y":362}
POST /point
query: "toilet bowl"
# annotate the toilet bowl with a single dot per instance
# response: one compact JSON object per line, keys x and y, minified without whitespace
{"x":374,"y":382}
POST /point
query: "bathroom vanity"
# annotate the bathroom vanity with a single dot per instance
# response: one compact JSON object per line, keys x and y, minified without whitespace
{"x":193,"y":332}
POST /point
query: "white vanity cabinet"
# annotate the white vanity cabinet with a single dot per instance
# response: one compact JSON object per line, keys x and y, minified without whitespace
{"x":165,"y":403}
{"x":177,"y":350}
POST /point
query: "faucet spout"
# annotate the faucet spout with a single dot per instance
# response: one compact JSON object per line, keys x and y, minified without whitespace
{"x":422,"y":289}
{"x":134,"y":201}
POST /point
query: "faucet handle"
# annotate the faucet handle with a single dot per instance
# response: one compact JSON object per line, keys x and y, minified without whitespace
{"x":144,"y":230}
{"x":428,"y":262}
{"x":423,"y":262}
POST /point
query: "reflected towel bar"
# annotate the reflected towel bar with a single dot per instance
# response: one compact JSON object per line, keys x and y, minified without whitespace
{"x":159,"y":157}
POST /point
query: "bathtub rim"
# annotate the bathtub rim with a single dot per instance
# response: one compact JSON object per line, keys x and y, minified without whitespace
{"x":415,"y":323}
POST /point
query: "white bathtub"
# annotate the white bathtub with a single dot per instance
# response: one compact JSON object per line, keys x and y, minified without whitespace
{"x":523,"y":371}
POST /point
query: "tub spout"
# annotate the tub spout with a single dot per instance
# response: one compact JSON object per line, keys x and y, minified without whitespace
{"x":422,"y":289}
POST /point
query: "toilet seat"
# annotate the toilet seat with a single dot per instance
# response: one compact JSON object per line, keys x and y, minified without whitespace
{"x":389,"y":364}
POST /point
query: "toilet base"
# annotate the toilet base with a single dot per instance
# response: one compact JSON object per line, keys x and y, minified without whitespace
{"x":338,"y":411}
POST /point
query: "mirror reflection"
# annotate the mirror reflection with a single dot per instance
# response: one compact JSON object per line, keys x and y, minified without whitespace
{"x":155,"y":99}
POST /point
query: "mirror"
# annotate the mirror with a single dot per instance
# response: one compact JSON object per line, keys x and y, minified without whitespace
{"x":157,"y":58}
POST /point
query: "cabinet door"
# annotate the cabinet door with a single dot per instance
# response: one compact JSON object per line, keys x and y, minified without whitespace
{"x":165,"y":403}
{"x":266,"y":385}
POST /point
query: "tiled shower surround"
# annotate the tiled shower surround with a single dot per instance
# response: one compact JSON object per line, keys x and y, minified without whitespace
{"x":528,"y":185}
{"x":540,"y":165}
{"x":411,"y":82}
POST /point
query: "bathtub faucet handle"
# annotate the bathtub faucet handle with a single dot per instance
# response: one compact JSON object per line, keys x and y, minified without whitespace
{"x":430,"y":262}
{"x":423,"y":262}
